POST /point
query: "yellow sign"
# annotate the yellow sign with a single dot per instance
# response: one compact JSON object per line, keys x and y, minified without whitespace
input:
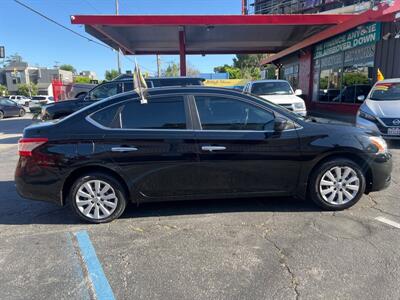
{"x":225,"y":82}
{"x":379,"y":75}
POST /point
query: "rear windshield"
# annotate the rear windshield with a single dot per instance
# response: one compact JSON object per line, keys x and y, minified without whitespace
{"x":386,"y":91}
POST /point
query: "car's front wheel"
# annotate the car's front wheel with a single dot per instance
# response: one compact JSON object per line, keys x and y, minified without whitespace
{"x":97,"y":198}
{"x":337,"y":184}
{"x":21,"y":112}
{"x":1,"y":114}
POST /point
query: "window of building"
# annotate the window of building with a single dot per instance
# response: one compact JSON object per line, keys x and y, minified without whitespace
{"x":291,"y":74}
{"x":158,"y":113}
{"x":219,"y":113}
{"x":343,"y":77}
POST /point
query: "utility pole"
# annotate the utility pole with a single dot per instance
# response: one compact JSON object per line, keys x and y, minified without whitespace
{"x":118,"y":50}
{"x":158,"y":65}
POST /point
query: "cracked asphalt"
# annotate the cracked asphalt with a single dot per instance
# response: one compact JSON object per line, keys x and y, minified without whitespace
{"x":234,"y":249}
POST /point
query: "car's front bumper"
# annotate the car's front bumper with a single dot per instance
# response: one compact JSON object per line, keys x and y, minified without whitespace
{"x":381,"y":169}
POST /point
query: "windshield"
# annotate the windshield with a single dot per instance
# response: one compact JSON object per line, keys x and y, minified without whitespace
{"x":38,"y":98}
{"x":271,"y":88}
{"x":387,"y":91}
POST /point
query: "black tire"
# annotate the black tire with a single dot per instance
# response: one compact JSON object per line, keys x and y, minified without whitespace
{"x":22,"y":112}
{"x":1,"y":115}
{"x":316,"y":176}
{"x":116,"y":186}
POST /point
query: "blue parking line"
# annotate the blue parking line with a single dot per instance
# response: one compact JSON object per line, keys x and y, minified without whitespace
{"x":96,"y":274}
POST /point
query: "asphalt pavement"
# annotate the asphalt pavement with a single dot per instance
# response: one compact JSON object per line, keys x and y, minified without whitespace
{"x":231,"y":249}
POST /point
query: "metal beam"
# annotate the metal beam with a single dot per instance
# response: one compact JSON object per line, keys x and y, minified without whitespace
{"x":182,"y":51}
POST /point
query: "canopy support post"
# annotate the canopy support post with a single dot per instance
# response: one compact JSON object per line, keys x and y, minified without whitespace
{"x":182,"y":51}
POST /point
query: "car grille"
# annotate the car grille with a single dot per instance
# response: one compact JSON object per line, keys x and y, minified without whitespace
{"x":287,"y":106}
{"x":389,"y":121}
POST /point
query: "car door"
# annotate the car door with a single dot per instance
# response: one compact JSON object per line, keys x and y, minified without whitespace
{"x":152,"y":145}
{"x":239,"y":150}
{"x":11,"y":108}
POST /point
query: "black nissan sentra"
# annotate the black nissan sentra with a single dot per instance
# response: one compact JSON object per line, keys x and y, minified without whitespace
{"x":195,"y":143}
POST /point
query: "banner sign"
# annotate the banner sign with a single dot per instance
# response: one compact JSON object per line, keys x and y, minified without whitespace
{"x":360,"y":36}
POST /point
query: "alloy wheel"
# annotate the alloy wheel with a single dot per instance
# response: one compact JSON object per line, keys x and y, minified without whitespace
{"x":96,"y":199}
{"x":339,"y":185}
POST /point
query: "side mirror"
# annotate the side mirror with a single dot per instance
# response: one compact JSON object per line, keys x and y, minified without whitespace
{"x":298,"y":92}
{"x":280,"y":124}
{"x":361,"y":98}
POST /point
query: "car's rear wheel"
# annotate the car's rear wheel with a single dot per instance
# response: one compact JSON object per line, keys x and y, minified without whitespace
{"x":337,"y":184}
{"x":21,"y":112}
{"x":1,"y":114}
{"x":97,"y":198}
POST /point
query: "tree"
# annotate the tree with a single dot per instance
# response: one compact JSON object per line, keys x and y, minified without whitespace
{"x":27,"y":90}
{"x":233,"y":73}
{"x":13,"y":58}
{"x":81,"y":79}
{"x":68,"y":67}
{"x":111,"y":74}
{"x":245,"y":66}
{"x":173,"y":70}
{"x":3,"y":90}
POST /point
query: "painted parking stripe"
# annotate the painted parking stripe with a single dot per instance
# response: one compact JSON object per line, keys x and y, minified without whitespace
{"x":388,"y":222}
{"x":102,"y":288}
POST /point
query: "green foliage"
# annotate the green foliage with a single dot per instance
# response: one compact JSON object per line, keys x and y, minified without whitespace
{"x":111,"y":74}
{"x":173,"y":70}
{"x":27,"y":90}
{"x":234,"y":73}
{"x":81,"y":79}
{"x":245,"y":66}
{"x":3,"y":90}
{"x":355,"y":78}
{"x":13,"y":58}
{"x":68,"y":67}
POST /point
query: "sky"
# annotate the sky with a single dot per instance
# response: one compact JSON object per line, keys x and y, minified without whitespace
{"x":42,"y":43}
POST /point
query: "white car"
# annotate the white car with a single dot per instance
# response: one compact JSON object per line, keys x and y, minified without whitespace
{"x":38,"y":101}
{"x":19,"y":99}
{"x":380,"y":111}
{"x":278,"y":92}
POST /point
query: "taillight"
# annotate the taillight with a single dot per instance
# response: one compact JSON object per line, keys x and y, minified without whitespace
{"x":27,"y":145}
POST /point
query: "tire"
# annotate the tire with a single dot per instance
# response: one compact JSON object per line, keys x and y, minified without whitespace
{"x":1,"y":115}
{"x":325,"y":190}
{"x":22,"y":112}
{"x":86,"y":209}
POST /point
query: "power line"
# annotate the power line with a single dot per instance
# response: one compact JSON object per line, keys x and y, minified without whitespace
{"x":75,"y":32}
{"x":59,"y":24}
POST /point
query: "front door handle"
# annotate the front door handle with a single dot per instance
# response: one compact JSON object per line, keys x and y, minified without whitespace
{"x":213,"y":148}
{"x":124,"y":149}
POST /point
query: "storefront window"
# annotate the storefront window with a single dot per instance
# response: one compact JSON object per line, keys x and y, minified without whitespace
{"x":291,"y":74}
{"x":344,"y":76}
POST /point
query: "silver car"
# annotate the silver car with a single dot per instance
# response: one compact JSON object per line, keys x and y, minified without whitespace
{"x":381,"y":109}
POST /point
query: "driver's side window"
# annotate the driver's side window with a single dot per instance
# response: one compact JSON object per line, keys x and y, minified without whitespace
{"x":220,"y":113}
{"x":105,"y":90}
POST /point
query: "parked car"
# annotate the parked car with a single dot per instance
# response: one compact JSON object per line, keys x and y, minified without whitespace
{"x":21,"y":100}
{"x":9,"y":108}
{"x":380,"y":110}
{"x":35,"y":105}
{"x":121,"y":84}
{"x":195,"y":143}
{"x":279,"y":92}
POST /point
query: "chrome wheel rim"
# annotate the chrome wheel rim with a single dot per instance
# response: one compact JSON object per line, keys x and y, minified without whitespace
{"x":339,"y":185}
{"x":96,"y":199}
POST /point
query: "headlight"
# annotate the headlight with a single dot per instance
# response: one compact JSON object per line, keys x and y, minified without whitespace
{"x":379,"y":143}
{"x":299,"y":105}
{"x":367,"y":116}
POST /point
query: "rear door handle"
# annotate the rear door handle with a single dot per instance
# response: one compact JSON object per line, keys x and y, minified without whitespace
{"x":124,"y":149}
{"x":213,"y":148}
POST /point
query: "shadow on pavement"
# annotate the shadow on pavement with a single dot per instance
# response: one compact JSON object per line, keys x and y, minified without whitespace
{"x":18,"y":211}
{"x":394,"y":144}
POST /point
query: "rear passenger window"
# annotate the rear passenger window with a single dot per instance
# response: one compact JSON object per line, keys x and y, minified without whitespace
{"x":219,"y":113}
{"x":158,"y":113}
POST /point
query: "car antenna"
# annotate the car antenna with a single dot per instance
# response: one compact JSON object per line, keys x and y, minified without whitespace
{"x":139,"y":83}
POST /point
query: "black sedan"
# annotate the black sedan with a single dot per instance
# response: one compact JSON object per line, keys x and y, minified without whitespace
{"x":195,"y":143}
{"x":9,"y":108}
